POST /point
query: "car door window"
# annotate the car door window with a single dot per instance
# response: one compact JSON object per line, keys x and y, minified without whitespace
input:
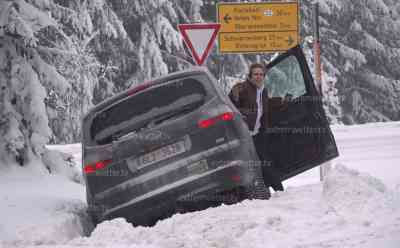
{"x":285,"y":78}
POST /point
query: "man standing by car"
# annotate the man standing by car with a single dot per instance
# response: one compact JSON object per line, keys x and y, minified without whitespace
{"x":251,"y":99}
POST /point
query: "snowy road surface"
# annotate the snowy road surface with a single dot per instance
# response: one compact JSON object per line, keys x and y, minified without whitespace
{"x":349,"y":209}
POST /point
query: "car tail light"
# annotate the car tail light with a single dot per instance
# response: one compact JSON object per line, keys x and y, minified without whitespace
{"x":92,"y":168}
{"x":235,"y":178}
{"x":211,"y":121}
{"x":227,"y":116}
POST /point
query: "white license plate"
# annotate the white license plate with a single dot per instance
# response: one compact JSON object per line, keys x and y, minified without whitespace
{"x":198,"y":167}
{"x":158,"y":155}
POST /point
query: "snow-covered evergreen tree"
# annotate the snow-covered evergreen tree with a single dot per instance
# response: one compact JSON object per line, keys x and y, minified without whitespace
{"x":59,"y":58}
{"x":361,"y":51}
{"x":152,"y":27}
{"x":24,"y":128}
{"x":51,"y":70}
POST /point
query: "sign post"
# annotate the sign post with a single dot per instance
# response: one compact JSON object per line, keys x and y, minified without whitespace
{"x":258,"y":27}
{"x":199,"y":38}
{"x":323,"y":168}
{"x":317,"y":53}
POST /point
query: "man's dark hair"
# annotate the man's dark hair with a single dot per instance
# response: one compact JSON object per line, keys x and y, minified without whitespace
{"x":254,"y":66}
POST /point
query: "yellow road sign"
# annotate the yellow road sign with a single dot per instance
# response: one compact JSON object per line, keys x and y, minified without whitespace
{"x":258,"y":27}
{"x":256,"y":42}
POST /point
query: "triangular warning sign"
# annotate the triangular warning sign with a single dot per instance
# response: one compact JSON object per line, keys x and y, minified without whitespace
{"x":199,"y":38}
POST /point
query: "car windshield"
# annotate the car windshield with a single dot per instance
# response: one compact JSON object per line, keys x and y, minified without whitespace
{"x":147,"y":109}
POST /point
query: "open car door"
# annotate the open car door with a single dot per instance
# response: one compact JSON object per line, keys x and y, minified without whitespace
{"x":299,"y":137}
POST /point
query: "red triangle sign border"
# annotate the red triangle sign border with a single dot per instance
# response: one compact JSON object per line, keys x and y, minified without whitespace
{"x":199,"y":58}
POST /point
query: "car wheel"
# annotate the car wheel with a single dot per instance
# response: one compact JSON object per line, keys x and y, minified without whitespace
{"x":93,"y":216}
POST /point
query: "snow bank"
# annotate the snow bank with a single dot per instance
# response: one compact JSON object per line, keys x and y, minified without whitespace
{"x":64,"y":164}
{"x":348,"y":191}
{"x":339,"y":213}
{"x":350,"y":208}
{"x":40,"y":209}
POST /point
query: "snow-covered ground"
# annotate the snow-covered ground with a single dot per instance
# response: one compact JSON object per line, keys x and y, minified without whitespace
{"x":349,"y":209}
{"x":372,"y":148}
{"x":37,"y":208}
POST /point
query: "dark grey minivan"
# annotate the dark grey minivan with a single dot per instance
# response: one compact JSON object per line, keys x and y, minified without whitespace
{"x":179,"y":143}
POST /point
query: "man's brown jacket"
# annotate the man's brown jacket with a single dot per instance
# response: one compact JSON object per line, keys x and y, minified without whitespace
{"x":244,"y":97}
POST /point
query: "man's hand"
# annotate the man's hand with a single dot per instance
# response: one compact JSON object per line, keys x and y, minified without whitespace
{"x":288,"y":97}
{"x":278,"y":104}
{"x":235,"y":93}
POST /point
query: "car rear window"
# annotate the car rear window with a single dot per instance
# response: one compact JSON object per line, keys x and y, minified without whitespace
{"x":146,"y":109}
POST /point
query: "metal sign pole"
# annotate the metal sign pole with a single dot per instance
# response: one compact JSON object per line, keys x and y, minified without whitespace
{"x":317,"y":64}
{"x":317,"y":51}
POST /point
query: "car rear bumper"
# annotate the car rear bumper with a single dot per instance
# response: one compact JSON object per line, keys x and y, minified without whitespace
{"x":147,"y":208}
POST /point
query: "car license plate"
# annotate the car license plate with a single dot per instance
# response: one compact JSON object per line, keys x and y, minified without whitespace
{"x":198,"y":167}
{"x":157,"y":155}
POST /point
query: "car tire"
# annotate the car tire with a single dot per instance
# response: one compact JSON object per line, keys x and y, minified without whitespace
{"x":94,"y":212}
{"x":93,"y":217}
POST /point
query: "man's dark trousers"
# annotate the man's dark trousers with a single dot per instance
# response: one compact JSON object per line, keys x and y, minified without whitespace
{"x":271,"y":176}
